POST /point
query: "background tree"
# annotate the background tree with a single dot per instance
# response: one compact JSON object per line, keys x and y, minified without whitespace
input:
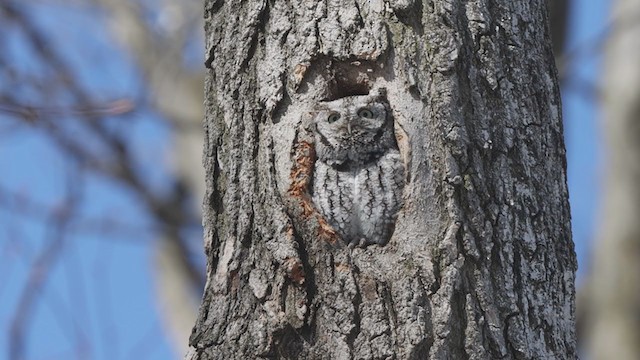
{"x":611,"y":300}
{"x":97,"y":131}
{"x":481,"y":264}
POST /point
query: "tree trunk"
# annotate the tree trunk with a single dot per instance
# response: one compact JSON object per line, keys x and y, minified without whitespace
{"x":481,"y":264}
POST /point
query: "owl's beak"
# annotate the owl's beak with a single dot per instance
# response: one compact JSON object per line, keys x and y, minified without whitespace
{"x":348,"y":127}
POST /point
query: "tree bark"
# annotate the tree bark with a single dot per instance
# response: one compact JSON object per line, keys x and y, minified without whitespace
{"x":481,"y":264}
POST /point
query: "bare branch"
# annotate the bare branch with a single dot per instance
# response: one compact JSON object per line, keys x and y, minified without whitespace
{"x":39,"y":274}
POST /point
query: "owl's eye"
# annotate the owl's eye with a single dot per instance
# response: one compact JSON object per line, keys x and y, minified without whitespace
{"x":333,"y":118}
{"x":365,"y":113}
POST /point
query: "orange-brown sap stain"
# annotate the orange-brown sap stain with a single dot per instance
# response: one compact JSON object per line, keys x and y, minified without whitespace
{"x":301,"y":175}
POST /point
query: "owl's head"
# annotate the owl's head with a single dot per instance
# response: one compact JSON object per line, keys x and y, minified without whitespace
{"x":353,"y":129}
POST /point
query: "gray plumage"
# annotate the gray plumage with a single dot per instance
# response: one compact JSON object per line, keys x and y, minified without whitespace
{"x":358,"y":176}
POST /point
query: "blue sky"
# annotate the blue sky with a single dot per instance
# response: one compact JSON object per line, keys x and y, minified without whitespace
{"x":582,"y":126}
{"x":99,"y":301}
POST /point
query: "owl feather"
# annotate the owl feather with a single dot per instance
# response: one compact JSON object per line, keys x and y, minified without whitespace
{"x":359,"y":174}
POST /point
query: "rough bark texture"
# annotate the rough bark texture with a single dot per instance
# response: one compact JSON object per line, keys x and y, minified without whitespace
{"x":613,"y":294}
{"x":481,"y":264}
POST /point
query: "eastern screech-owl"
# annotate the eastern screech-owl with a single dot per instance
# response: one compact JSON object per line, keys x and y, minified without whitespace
{"x":359,"y":175}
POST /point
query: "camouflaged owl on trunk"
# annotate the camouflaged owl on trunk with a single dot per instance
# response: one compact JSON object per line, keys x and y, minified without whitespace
{"x":358,"y":176}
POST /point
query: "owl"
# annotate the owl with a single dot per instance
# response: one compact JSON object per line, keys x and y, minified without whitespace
{"x":358,"y":176}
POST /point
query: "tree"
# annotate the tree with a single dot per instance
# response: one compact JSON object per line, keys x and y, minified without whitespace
{"x":59,"y":100}
{"x":481,"y":264}
{"x":611,"y":299}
